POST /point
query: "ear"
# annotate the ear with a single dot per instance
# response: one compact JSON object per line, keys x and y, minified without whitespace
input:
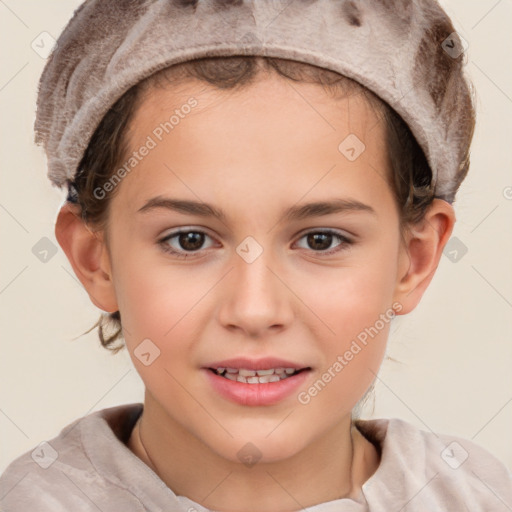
{"x":88,"y":255}
{"x":421,"y":252}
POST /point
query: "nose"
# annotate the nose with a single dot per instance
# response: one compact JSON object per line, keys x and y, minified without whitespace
{"x":256,"y":298}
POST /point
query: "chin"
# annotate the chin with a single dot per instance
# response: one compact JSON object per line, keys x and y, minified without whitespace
{"x":256,"y":446}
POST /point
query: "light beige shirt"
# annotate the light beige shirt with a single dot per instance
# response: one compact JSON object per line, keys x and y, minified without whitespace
{"x":88,"y":467}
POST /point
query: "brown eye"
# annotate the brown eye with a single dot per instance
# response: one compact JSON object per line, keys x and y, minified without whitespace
{"x":186,"y":242}
{"x":321,"y":241}
{"x":191,"y":241}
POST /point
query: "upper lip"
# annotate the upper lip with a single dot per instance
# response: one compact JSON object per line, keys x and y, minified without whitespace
{"x":265,"y":363}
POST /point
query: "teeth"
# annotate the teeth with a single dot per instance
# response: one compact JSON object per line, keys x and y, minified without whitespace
{"x":265,"y":372}
{"x":246,"y":373}
{"x":255,"y":376}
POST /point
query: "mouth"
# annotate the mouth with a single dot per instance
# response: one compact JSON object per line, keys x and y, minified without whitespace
{"x":248,"y":376}
{"x":256,"y":382}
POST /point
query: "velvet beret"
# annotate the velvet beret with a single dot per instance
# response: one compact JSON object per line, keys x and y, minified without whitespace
{"x":404,"y":51}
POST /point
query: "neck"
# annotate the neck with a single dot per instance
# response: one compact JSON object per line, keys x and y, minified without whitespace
{"x":334,"y":467}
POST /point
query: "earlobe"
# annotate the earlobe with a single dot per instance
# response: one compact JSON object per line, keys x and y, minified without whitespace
{"x":87,"y":255}
{"x":423,"y":250}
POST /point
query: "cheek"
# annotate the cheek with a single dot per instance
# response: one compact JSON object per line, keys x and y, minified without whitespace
{"x":160,"y":310}
{"x":354,"y":306}
{"x":164,"y":304}
{"x":352,"y":348}
{"x":351,"y":297}
{"x":154,"y":297}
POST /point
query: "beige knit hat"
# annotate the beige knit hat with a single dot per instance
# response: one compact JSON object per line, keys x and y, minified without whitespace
{"x":405,"y":51}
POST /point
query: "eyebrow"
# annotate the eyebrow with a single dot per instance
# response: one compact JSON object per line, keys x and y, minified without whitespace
{"x":294,"y":213}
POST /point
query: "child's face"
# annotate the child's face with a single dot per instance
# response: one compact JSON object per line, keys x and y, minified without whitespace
{"x":254,"y":154}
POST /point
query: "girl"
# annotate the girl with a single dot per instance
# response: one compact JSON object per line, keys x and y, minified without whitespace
{"x":256,"y":189}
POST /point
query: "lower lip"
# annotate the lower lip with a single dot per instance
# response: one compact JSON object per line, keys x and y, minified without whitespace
{"x":256,"y":394}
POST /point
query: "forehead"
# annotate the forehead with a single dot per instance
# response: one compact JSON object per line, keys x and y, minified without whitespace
{"x":274,"y":133}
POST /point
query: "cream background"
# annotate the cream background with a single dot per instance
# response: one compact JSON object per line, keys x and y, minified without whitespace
{"x":455,"y":348}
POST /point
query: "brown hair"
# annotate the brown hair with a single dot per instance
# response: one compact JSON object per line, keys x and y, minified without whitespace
{"x":410,"y":179}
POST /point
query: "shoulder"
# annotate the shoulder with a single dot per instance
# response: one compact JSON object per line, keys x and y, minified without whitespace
{"x":58,"y":474}
{"x":44,"y":474}
{"x":437,"y":469}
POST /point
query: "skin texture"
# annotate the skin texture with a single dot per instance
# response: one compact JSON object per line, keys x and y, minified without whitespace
{"x":254,"y":153}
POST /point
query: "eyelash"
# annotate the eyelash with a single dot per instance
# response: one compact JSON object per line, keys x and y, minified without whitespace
{"x":344,"y":245}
